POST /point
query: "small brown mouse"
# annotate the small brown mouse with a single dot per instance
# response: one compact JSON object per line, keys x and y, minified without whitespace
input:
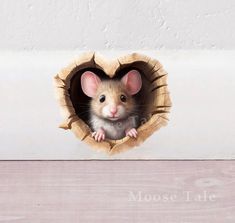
{"x":113,"y":110}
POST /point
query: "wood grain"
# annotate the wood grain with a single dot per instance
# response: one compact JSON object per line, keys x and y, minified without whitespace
{"x":107,"y":191}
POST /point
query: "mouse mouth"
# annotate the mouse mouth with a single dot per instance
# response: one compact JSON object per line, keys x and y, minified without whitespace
{"x":113,"y":118}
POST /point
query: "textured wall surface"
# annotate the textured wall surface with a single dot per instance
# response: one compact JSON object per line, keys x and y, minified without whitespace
{"x":109,"y":24}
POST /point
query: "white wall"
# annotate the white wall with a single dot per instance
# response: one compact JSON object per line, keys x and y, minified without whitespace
{"x":202,"y":120}
{"x":202,"y":83}
{"x":116,"y":24}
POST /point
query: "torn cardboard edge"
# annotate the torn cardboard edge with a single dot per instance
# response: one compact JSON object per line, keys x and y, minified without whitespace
{"x":158,"y":90}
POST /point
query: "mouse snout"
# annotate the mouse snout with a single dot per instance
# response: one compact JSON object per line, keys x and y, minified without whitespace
{"x":113,"y":110}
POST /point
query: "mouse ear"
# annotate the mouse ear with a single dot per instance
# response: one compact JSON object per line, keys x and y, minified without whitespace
{"x":90,"y":83}
{"x":133,"y":82}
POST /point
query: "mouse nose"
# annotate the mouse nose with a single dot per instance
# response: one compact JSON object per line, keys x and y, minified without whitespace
{"x":113,"y":110}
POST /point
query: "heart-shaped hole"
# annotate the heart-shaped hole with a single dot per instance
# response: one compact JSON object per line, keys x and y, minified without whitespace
{"x":153,"y":98}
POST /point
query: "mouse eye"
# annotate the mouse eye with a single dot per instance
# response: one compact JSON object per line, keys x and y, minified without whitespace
{"x":123,"y":98}
{"x":102,"y":98}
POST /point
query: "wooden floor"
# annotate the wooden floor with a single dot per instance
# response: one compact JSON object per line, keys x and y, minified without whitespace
{"x":117,"y":191}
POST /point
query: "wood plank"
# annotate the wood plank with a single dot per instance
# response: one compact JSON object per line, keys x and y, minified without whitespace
{"x":117,"y":191}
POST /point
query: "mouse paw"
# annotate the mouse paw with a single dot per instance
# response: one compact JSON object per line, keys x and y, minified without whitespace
{"x":99,"y":135}
{"x":132,"y":133}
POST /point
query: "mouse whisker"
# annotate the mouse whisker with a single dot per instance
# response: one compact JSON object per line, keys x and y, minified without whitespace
{"x":82,"y":113}
{"x":83,"y":107}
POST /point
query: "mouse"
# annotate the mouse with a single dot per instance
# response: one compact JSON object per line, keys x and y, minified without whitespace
{"x":113,"y":111}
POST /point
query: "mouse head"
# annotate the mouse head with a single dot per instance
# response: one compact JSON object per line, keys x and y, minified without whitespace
{"x":112,"y":99}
